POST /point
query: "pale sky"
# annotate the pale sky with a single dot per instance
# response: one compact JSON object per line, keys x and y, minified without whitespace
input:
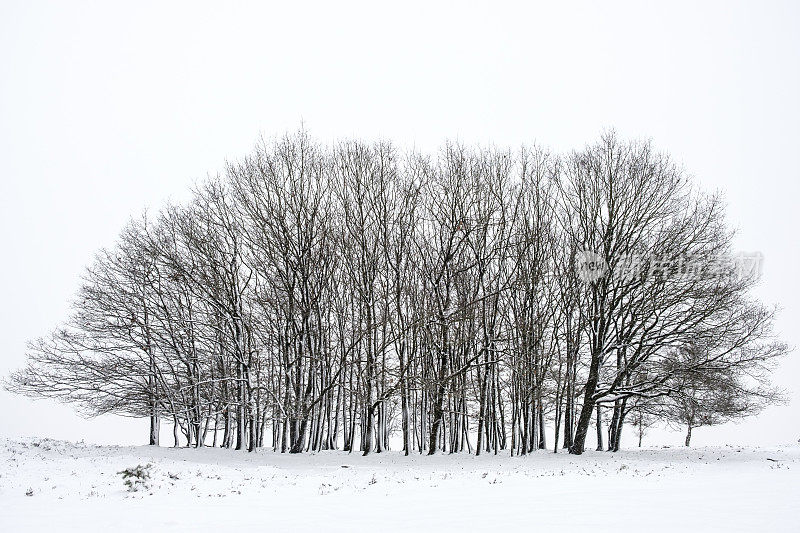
{"x":106,"y":110}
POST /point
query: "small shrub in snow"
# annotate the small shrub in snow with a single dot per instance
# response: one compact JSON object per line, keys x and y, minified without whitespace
{"x":137,"y":477}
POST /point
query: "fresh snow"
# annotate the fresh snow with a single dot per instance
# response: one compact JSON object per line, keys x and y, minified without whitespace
{"x":53,"y":485}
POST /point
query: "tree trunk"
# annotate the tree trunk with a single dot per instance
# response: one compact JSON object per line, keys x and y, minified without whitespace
{"x":155,"y":427}
{"x":599,"y":424}
{"x":618,"y":430}
{"x":588,"y":406}
{"x":366,"y":426}
{"x":438,"y":411}
{"x":175,"y":430}
{"x":542,"y":436}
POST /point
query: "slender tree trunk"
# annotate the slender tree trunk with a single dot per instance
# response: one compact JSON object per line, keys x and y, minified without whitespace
{"x":367,"y":427}
{"x":155,"y":426}
{"x":438,"y":411}
{"x":542,"y":435}
{"x":618,"y":427}
{"x":438,"y":402}
{"x":175,"y":430}
{"x":599,"y":424}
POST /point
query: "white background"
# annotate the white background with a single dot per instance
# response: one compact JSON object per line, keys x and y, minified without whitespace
{"x":106,"y":110}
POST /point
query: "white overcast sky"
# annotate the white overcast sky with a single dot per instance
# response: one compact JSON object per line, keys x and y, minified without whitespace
{"x":106,"y":110}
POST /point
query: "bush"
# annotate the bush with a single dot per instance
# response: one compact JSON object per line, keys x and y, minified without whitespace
{"x":137,"y":477}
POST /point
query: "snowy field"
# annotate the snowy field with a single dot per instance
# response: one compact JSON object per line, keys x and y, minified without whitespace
{"x":48,"y":485}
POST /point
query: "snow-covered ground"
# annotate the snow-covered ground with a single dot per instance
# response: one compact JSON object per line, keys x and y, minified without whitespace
{"x":57,"y":486}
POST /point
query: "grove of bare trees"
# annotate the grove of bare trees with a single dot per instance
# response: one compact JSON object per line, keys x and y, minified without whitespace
{"x":354,"y":296}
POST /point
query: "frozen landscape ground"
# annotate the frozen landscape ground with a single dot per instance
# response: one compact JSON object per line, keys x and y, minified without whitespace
{"x":53,"y":485}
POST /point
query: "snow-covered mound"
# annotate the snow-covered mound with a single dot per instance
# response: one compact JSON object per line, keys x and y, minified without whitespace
{"x":56,"y":486}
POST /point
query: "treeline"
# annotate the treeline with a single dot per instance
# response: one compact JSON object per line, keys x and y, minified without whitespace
{"x":320,"y":297}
